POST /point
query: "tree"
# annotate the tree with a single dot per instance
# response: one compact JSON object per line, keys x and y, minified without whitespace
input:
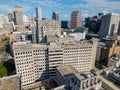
{"x":3,"y":71}
{"x":10,"y":66}
{"x":4,"y":48}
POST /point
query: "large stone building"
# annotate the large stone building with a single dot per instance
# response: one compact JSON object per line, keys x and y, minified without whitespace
{"x":109,"y":25}
{"x":48,"y":28}
{"x":110,"y":49}
{"x":18,"y":15}
{"x":74,"y":80}
{"x":76,"y":19}
{"x":10,"y":83}
{"x":38,"y":61}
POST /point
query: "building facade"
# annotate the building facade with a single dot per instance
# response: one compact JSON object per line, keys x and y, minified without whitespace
{"x":38,"y":61}
{"x":48,"y":28}
{"x":10,"y":17}
{"x":3,"y":20}
{"x":72,"y":79}
{"x":76,"y":19}
{"x":55,"y":16}
{"x":114,"y":61}
{"x":18,"y":15}
{"x":109,"y":25}
{"x":110,"y":49}
{"x":38,"y":13}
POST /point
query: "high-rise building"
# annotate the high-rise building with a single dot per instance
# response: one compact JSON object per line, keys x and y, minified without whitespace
{"x":109,"y":25}
{"x":39,"y":61}
{"x":38,"y":14}
{"x":3,"y":20}
{"x":76,"y":19}
{"x":55,"y":16}
{"x":18,"y":15}
{"x":10,"y":17}
{"x":48,"y":28}
{"x":34,"y":35}
{"x":93,"y":23}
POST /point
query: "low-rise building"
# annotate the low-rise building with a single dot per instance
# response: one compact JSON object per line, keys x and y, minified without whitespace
{"x":114,"y":61}
{"x":79,"y":33}
{"x":10,"y":83}
{"x":69,"y":76}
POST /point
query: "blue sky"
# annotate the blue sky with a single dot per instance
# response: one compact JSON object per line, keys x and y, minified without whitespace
{"x":63,"y":7}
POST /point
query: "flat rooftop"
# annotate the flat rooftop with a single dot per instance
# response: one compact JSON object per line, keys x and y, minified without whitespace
{"x":68,"y":69}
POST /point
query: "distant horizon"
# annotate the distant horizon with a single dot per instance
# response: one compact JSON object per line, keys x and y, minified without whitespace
{"x":64,"y":8}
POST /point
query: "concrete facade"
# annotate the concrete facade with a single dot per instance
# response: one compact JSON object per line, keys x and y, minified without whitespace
{"x":38,"y":61}
{"x":109,"y":25}
{"x":10,"y":83}
{"x":18,"y":15}
{"x":48,"y":28}
{"x":67,"y":75}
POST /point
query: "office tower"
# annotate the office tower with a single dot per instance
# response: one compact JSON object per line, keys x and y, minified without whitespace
{"x":34,"y":35}
{"x":93,"y":23}
{"x":3,"y":20}
{"x":10,"y":17}
{"x":41,"y":64}
{"x":18,"y":15}
{"x":48,"y":28}
{"x":38,"y":14}
{"x":26,"y":19}
{"x":55,"y":16}
{"x":76,"y":19}
{"x":109,"y":25}
{"x":38,"y":61}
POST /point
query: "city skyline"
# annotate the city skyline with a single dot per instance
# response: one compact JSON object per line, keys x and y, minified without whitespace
{"x":64,"y":8}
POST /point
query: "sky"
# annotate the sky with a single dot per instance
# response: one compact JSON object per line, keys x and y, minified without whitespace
{"x":63,"y":7}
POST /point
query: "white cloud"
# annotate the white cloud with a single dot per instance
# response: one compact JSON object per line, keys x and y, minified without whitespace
{"x":66,"y":16}
{"x":45,"y":2}
{"x":99,"y":6}
{"x":6,"y":8}
{"x":26,"y":8}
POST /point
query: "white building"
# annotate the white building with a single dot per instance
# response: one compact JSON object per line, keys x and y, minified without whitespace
{"x":109,"y":25}
{"x":114,"y":61}
{"x":79,"y":33}
{"x":3,"y":20}
{"x":26,"y":21}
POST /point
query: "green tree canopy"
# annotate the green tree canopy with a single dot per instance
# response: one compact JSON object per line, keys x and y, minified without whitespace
{"x":10,"y":66}
{"x":3,"y":71}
